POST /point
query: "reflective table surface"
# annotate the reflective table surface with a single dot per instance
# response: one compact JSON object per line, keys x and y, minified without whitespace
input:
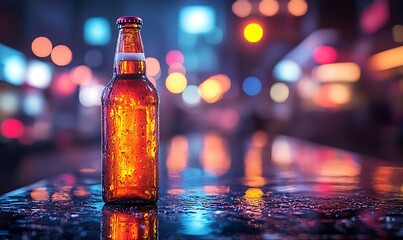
{"x":213,"y":187}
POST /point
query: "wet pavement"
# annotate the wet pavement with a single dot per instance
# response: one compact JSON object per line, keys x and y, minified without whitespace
{"x":211,"y":188}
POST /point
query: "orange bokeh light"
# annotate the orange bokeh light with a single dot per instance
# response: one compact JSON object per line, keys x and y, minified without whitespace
{"x":41,"y":47}
{"x":61,"y":55}
{"x":269,"y":7}
{"x":297,"y":7}
{"x":242,"y":8}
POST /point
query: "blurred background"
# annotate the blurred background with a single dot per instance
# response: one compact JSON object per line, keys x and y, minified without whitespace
{"x":328,"y":71}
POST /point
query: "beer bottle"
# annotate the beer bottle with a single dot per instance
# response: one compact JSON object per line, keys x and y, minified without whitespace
{"x":130,"y":123}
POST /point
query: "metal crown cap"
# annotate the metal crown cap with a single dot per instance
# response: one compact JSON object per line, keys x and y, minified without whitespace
{"x":129,"y":19}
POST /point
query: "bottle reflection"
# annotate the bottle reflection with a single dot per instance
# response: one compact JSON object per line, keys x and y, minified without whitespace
{"x":129,"y":222}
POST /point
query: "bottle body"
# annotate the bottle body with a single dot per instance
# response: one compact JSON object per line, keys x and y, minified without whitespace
{"x":130,"y":131}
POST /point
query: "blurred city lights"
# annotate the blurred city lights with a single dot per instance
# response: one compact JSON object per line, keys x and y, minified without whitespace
{"x":41,"y":46}
{"x":93,"y":58}
{"x":63,"y":84}
{"x":177,"y":67}
{"x":178,"y":154}
{"x":254,"y":160}
{"x":153,"y":67}
{"x":211,"y":90}
{"x":61,"y":55}
{"x":33,"y":103}
{"x":252,"y":86}
{"x":176,"y":82}
{"x":174,"y":56}
{"x":374,"y":16}
{"x":387,"y":59}
{"x":279,"y":92}
{"x":214,"y":156}
{"x":324,"y":54}
{"x":9,"y":102}
{"x":97,"y":31}
{"x":297,"y":7}
{"x":242,"y":8}
{"x":39,"y":74}
{"x":287,"y":70}
{"x":397,"y":32}
{"x":253,"y":32}
{"x":281,"y":152}
{"x":197,"y":19}
{"x":12,"y":128}
{"x":15,"y":69}
{"x":224,"y":80}
{"x":269,"y":7}
{"x":90,"y":95}
{"x":191,"y":95}
{"x":339,"y":93}
{"x":81,"y":74}
{"x":337,"y":72}
{"x":333,"y":95}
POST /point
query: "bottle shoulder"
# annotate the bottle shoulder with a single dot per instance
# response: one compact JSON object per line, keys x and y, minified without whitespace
{"x":133,"y":87}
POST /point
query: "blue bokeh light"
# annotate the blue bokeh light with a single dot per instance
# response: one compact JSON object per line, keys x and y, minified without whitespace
{"x":197,"y":19}
{"x":252,"y":86}
{"x":97,"y":31}
{"x":287,"y":70}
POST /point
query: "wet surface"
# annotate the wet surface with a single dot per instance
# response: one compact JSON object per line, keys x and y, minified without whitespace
{"x":283,"y":188}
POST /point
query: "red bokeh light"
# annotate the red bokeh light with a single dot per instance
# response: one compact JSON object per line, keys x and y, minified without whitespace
{"x":324,"y":54}
{"x":64,"y":85}
{"x":12,"y":128}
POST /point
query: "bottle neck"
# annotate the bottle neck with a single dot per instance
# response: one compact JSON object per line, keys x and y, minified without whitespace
{"x":129,"y":55}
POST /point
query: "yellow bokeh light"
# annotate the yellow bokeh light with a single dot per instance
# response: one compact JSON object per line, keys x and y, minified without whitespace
{"x":269,"y":7}
{"x":337,"y":72}
{"x":41,"y":46}
{"x":242,"y":8}
{"x":253,"y":32}
{"x":176,"y":82}
{"x":224,"y":80}
{"x":279,"y":92}
{"x":339,"y":93}
{"x":211,"y":90}
{"x":297,"y":7}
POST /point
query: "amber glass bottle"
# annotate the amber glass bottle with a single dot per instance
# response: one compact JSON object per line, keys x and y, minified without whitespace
{"x":130,"y":118}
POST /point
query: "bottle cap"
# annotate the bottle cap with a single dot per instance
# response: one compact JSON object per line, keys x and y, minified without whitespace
{"x":129,"y":19}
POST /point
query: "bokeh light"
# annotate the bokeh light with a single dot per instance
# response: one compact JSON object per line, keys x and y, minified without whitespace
{"x":97,"y":31}
{"x":197,"y":19}
{"x":9,"y":102}
{"x":297,"y":7}
{"x":210,"y":90}
{"x":287,"y":70}
{"x":397,"y":32}
{"x":15,"y":69}
{"x":41,"y":46}
{"x":242,"y":8}
{"x":63,"y":84}
{"x":253,"y":32}
{"x":12,"y":128}
{"x":153,"y":67}
{"x":191,"y":95}
{"x":176,"y":82}
{"x":61,"y":55}
{"x":339,"y":93}
{"x":224,"y":80}
{"x":269,"y":7}
{"x":174,"y":56}
{"x":214,"y":156}
{"x":324,"y":54}
{"x":252,"y":86}
{"x":81,"y":74}
{"x":33,"y":103}
{"x":279,"y":92}
{"x":90,"y":95}
{"x":177,"y":67}
{"x":39,"y":74}
{"x":337,"y":72}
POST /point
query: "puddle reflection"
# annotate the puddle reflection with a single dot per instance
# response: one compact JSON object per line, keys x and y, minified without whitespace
{"x":125,"y":222}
